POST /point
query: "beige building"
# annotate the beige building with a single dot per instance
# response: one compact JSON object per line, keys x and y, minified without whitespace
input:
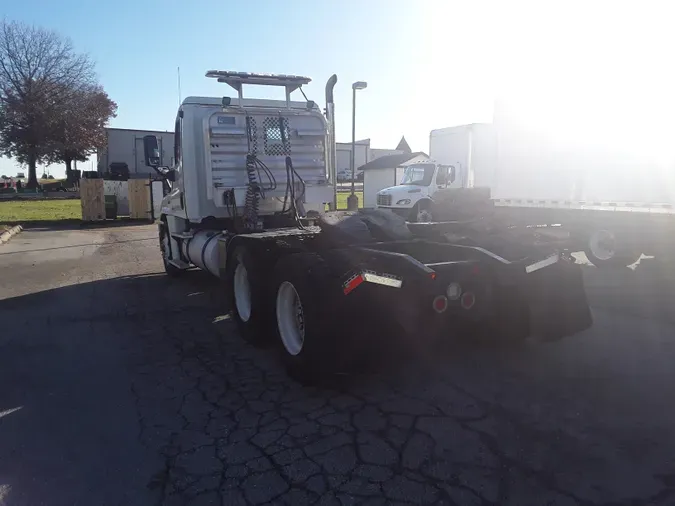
{"x":363,"y":153}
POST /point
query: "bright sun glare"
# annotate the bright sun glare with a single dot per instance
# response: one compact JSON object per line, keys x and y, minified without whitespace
{"x":590,"y":73}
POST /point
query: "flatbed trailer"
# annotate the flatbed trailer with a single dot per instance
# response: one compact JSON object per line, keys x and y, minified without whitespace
{"x":611,"y":234}
{"x":250,"y":210}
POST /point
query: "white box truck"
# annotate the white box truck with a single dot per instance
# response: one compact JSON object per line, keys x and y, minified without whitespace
{"x":611,"y":205}
{"x":461,"y":157}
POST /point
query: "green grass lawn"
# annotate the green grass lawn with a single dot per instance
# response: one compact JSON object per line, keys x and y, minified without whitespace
{"x":23,"y":211}
{"x":342,"y":199}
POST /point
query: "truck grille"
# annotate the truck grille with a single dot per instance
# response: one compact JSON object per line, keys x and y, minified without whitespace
{"x":383,"y":200}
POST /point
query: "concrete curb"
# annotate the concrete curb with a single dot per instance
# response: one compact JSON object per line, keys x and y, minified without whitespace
{"x":8,"y":234}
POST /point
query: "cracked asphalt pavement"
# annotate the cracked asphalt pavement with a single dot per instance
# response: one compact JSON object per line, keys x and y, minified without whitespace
{"x":119,"y":386}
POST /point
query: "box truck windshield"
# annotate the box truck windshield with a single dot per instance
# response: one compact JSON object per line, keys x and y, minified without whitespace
{"x":419,"y":175}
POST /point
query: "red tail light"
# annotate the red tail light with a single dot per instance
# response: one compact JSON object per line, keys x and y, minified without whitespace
{"x":353,"y":283}
{"x":468,"y":300}
{"x":440,"y":303}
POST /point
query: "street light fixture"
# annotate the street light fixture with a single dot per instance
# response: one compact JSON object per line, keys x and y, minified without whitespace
{"x":353,"y":200}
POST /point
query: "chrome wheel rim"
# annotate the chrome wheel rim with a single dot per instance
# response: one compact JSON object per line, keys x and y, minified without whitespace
{"x":602,"y":244}
{"x":290,"y":318}
{"x":242,"y":292}
{"x":424,"y":216}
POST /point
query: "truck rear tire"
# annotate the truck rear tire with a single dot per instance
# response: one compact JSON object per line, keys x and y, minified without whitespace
{"x":250,"y":300}
{"x":604,"y":250}
{"x":307,"y":315}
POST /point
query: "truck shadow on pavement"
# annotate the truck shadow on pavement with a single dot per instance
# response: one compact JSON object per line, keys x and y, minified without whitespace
{"x":150,"y":373}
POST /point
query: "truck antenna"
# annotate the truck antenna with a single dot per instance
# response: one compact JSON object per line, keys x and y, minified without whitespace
{"x":179,"y":98}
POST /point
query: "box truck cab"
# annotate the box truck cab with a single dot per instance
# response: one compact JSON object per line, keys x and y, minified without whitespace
{"x":413,"y":196}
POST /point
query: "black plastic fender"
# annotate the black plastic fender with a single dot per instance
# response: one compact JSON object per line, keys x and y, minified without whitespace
{"x":558,"y":306}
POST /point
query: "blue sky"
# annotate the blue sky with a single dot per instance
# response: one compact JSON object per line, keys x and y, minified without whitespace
{"x":139,"y":45}
{"x":428,"y":64}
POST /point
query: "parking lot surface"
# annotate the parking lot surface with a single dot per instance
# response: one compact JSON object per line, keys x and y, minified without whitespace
{"x":120,"y":386}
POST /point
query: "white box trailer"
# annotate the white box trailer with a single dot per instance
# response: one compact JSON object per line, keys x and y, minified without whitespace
{"x":553,"y":162}
{"x":519,"y":162}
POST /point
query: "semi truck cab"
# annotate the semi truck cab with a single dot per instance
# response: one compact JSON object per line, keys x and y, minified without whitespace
{"x":413,"y":196}
{"x":246,"y":200}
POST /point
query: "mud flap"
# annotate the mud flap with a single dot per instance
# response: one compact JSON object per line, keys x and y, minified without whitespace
{"x":557,"y":301}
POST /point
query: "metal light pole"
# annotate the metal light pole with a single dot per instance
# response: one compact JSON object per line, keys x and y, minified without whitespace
{"x":353,"y":200}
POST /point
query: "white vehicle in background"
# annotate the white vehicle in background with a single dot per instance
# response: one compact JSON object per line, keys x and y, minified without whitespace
{"x":413,"y":197}
{"x":461,"y":157}
{"x":344,"y":175}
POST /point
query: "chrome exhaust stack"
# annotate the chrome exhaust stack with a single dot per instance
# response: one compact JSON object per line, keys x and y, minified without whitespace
{"x":331,"y":152}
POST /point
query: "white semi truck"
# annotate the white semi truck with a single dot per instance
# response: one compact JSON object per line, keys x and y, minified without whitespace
{"x":612,"y":207}
{"x":246,"y":202}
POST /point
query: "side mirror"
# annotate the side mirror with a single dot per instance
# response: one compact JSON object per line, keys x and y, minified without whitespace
{"x":151,"y":151}
{"x":451,"y":174}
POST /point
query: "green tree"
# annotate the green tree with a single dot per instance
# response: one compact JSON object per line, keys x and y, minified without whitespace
{"x":39,"y":73}
{"x":80,"y":127}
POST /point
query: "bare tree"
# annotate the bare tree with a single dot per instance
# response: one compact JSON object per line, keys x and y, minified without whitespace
{"x":39,"y":72}
{"x":80,"y":127}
